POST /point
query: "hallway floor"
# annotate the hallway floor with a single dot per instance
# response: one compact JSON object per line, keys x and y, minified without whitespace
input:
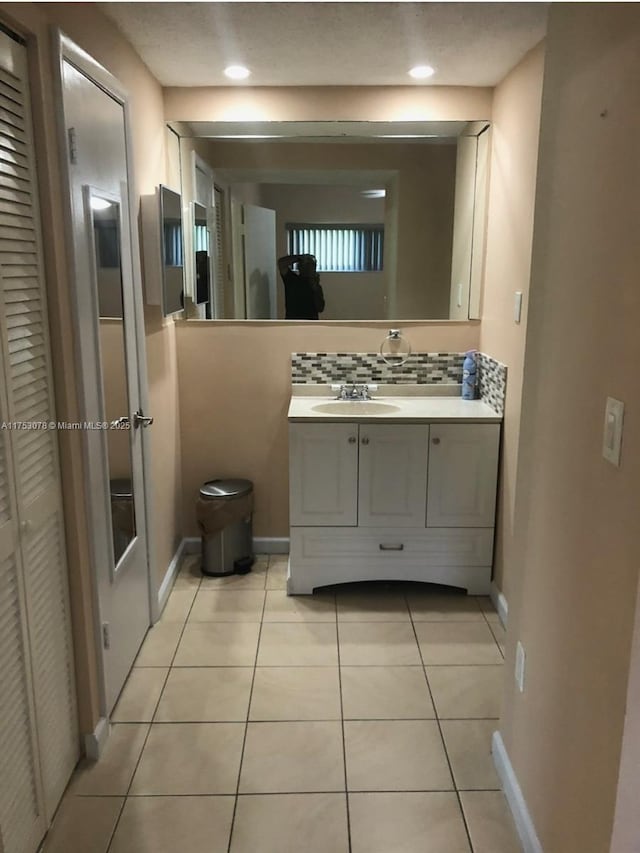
{"x":354,"y":722}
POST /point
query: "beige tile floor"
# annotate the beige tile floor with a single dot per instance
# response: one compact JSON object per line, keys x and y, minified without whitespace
{"x":358,"y":720}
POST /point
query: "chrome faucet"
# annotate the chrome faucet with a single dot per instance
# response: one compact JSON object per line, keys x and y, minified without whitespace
{"x":352,"y":391}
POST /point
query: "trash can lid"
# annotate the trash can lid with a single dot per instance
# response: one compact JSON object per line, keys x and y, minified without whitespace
{"x":225,"y":489}
{"x":121,"y":488}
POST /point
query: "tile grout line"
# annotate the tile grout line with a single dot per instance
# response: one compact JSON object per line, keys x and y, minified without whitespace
{"x":342,"y":721}
{"x":494,"y":637}
{"x":150,"y":724}
{"x":246,"y":725}
{"x":444,"y":745}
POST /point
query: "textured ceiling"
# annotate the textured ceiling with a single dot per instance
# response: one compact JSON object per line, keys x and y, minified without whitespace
{"x":330,"y":44}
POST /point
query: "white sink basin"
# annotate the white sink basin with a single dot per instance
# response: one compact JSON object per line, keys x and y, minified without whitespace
{"x":355,"y":407}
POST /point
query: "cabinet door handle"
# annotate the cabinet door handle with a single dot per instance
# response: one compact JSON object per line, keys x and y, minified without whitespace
{"x":435,"y":440}
{"x":352,"y":439}
{"x":365,"y":440}
{"x":398,"y":547}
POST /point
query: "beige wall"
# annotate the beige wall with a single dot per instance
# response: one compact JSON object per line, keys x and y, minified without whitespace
{"x":235,"y":384}
{"x":419,"y":216}
{"x":514,"y":159}
{"x":328,"y":103}
{"x":87,"y":26}
{"x":572,"y":601}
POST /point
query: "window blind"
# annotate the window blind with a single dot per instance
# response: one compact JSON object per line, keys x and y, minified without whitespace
{"x":339,"y":248}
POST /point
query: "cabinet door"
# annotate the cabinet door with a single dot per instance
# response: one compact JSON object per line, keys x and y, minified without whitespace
{"x":323,"y":471}
{"x":463,"y":472}
{"x":393,"y":475}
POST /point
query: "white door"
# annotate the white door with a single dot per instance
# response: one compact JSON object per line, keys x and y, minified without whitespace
{"x":260,"y":263}
{"x":463,"y":466}
{"x":323,"y":472}
{"x":393,"y":475}
{"x":110,"y":334}
{"x":39,"y":743}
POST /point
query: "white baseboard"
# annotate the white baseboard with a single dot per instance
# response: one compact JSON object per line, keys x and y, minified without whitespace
{"x":271,"y":545}
{"x":500,"y":603}
{"x":192,"y":544}
{"x":261,"y":545}
{"x":515,"y":798}
{"x":170,"y":576}
{"x":95,"y":741}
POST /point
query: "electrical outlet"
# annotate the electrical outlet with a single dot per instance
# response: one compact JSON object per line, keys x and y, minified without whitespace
{"x":520,"y":665}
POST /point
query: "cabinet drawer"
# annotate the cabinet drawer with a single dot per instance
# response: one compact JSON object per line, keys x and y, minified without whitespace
{"x":433,"y":546}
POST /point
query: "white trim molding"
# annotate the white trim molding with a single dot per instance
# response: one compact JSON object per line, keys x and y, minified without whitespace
{"x":192,"y":544}
{"x":169,"y":578}
{"x":95,"y":741}
{"x":500,"y":603}
{"x":261,"y":545}
{"x":517,"y":803}
{"x":271,"y":545}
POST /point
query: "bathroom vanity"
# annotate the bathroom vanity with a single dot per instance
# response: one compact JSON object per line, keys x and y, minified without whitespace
{"x":396,"y":488}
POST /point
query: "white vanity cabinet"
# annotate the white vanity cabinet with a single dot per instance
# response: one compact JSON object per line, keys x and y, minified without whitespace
{"x":463,"y":467}
{"x":356,"y":475}
{"x":323,"y":474}
{"x":392,"y":501}
{"x":392,"y":477}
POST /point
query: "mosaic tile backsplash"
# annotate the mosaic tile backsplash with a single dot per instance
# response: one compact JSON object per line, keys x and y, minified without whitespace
{"x":492,"y":384}
{"x":422,"y":368}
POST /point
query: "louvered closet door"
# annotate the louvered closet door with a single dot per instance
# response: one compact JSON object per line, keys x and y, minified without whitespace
{"x":22,"y":820}
{"x":27,"y":374}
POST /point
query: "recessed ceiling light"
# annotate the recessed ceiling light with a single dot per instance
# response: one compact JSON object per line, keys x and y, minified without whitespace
{"x":236,"y":72}
{"x":421,"y":72}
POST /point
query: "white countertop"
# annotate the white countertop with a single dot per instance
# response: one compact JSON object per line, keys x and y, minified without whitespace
{"x":413,"y":408}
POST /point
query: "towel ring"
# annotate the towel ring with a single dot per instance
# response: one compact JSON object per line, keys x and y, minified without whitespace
{"x":390,"y":349}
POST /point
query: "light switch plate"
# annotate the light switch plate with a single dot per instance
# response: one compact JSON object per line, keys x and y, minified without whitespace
{"x":612,"y":439}
{"x":517,"y":306}
{"x":520,"y":665}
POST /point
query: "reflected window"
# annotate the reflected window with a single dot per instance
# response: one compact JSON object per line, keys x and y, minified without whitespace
{"x":339,"y":248}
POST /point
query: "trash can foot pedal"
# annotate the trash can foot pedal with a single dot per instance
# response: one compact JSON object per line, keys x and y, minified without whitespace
{"x":243,"y":565}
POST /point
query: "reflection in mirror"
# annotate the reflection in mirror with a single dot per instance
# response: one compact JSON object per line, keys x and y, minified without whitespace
{"x":172,"y":251}
{"x":202,"y":259}
{"x":105,"y":215}
{"x":393,"y":214}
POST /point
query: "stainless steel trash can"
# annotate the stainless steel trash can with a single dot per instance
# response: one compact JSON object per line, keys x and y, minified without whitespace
{"x":228,"y":549}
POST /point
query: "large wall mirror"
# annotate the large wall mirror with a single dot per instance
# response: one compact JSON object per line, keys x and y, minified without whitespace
{"x":104,"y":214}
{"x":345,"y":220}
{"x":172,"y":251}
